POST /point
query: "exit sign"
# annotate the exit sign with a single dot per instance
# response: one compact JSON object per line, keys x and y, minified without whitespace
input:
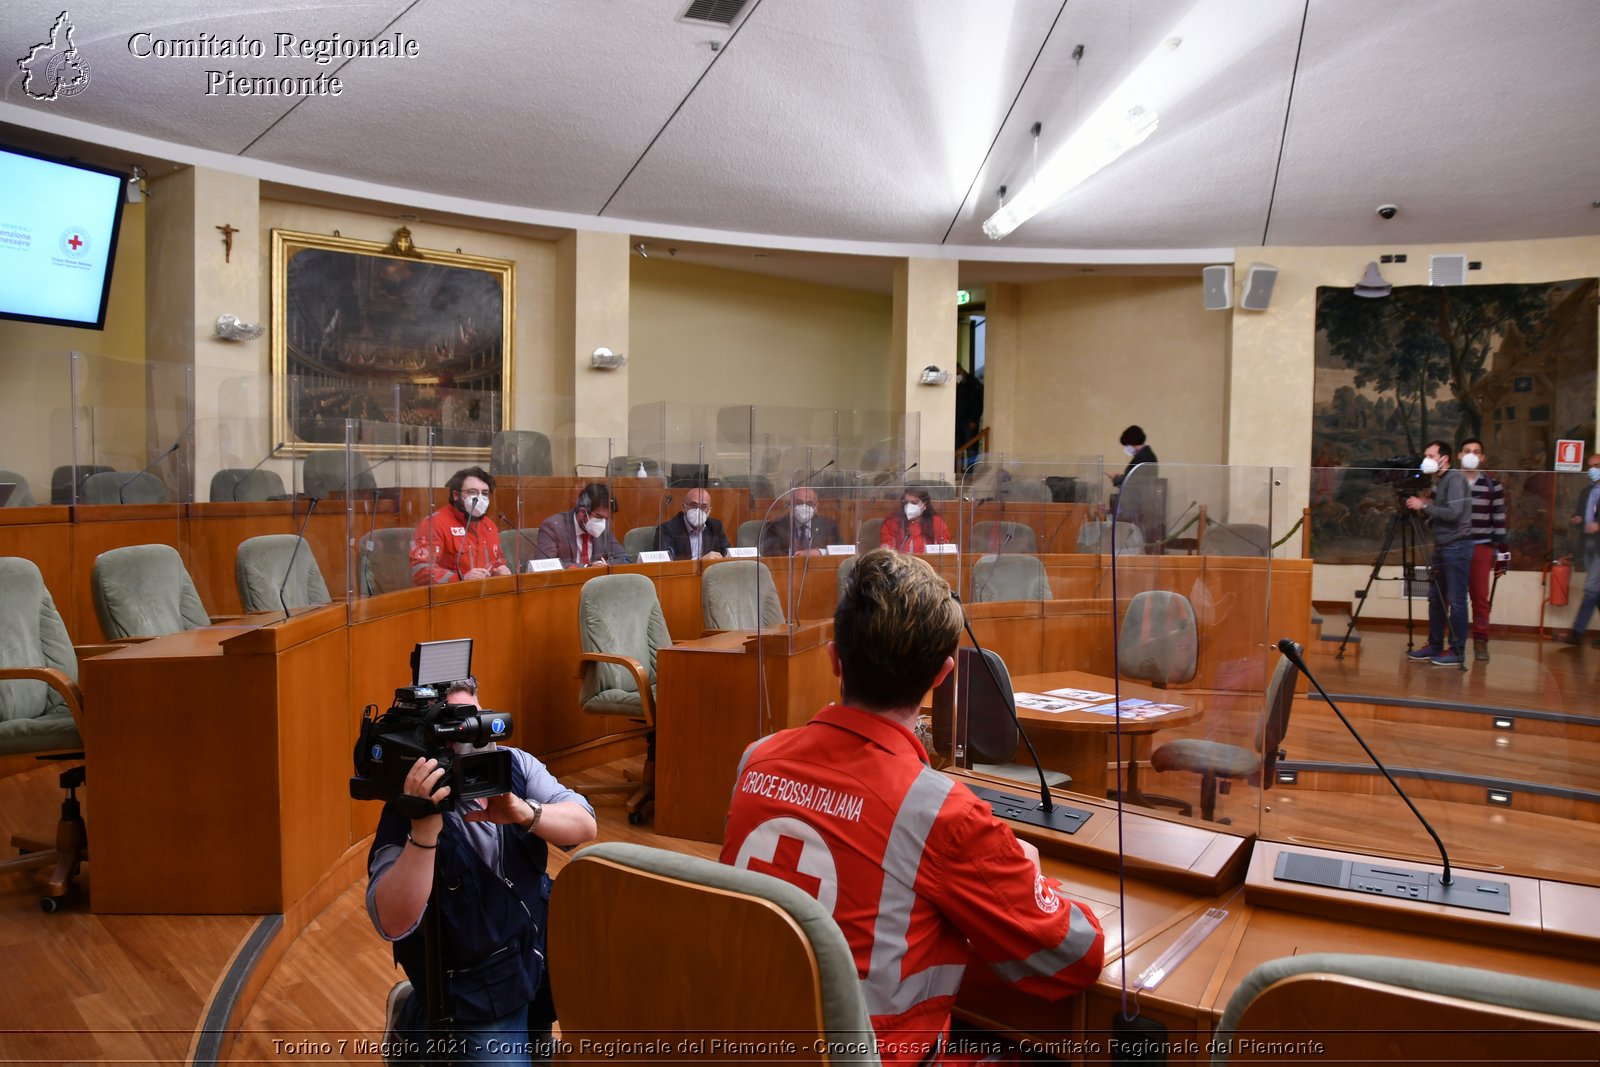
{"x":963,"y":296}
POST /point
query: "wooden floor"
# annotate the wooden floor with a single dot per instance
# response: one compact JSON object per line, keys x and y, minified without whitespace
{"x":79,"y":988}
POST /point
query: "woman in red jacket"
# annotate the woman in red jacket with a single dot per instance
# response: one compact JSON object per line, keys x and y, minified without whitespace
{"x":917,"y":526}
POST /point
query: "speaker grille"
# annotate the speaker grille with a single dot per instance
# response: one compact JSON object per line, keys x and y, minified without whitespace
{"x":1447,"y":270}
{"x":720,"y":12}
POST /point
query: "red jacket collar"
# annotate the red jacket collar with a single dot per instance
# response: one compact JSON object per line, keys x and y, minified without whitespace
{"x":887,"y":735}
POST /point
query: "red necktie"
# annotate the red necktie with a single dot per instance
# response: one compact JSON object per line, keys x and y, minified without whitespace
{"x":585,"y":559}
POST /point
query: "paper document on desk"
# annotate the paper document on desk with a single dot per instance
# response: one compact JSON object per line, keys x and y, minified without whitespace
{"x":1080,"y":698}
{"x":1039,"y":702}
{"x":1137,"y":710}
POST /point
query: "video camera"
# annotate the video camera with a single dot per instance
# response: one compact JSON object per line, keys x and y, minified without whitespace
{"x":1403,"y":473}
{"x":421,"y":724}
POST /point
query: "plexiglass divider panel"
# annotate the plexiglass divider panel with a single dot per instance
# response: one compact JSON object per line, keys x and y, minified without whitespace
{"x":1498,"y":752}
{"x":38,"y":422}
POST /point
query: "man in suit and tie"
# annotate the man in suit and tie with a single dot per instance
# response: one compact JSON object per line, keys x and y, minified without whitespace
{"x":799,"y":531}
{"x":582,"y":537}
{"x":1586,"y":517}
{"x":693,"y":533}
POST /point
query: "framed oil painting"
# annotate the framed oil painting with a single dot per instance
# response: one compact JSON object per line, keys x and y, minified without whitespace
{"x":409,"y":345}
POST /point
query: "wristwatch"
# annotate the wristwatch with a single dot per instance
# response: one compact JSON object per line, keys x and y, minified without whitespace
{"x":538,"y":813}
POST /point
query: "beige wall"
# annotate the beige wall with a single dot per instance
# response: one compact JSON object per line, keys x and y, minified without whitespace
{"x":35,"y":403}
{"x":706,"y":336}
{"x":1092,"y":355}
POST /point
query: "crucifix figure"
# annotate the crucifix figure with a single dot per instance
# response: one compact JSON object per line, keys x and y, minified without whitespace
{"x":227,"y":241}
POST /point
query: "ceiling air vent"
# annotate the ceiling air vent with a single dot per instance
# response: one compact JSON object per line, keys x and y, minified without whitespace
{"x":717,"y":12}
{"x":1447,"y":270}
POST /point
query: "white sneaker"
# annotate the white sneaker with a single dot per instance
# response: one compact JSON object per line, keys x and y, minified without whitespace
{"x":393,"y":1041}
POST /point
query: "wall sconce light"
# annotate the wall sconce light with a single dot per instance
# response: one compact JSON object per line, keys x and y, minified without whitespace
{"x":1372,"y":283}
{"x":932,"y":375}
{"x":605,"y":359}
{"x":233,"y":328}
{"x":644,"y":253}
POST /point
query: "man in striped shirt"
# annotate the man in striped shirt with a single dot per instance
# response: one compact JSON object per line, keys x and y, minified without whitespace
{"x":1491,"y":550}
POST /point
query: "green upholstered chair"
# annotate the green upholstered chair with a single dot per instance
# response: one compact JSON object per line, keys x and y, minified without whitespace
{"x":620,"y":627}
{"x":383,"y":561}
{"x":749,"y":535}
{"x":118,"y":487}
{"x":41,"y":714}
{"x":66,"y":483}
{"x":1093,"y":537}
{"x":739,"y":594}
{"x":262,"y":564}
{"x":1003,"y":538}
{"x":869,"y":535}
{"x":1372,"y":1009}
{"x":1236,"y":539}
{"x":518,"y":547}
{"x":145,"y":591}
{"x":21,"y":496}
{"x":846,"y":565}
{"x":701,"y":918}
{"x":992,"y":735}
{"x":1160,"y":641}
{"x":241,"y":483}
{"x":998,"y":578}
{"x":325,"y":472}
{"x":641,"y":539}
{"x":519,"y":453}
{"x":1218,"y":763}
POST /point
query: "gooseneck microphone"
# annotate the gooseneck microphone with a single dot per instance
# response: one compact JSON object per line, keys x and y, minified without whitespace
{"x":246,"y":475}
{"x":122,"y":488}
{"x":1292,"y":654}
{"x":299,"y":540}
{"x":812,"y":477}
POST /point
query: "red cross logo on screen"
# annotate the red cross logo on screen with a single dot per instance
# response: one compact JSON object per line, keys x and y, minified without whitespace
{"x":794,"y":851}
{"x":75,"y":241}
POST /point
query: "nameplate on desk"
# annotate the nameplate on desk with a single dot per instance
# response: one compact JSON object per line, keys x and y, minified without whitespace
{"x":841,"y":550}
{"x":943,"y":550}
{"x":743,"y":552}
{"x":662,"y":556}
{"x":538,"y":566}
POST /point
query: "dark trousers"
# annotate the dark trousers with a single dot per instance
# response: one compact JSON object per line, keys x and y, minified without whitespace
{"x":1447,"y":594}
{"x":1591,"y":584}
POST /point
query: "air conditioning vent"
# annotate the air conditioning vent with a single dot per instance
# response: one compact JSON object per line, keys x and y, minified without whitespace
{"x":717,"y":12}
{"x":1447,"y":270}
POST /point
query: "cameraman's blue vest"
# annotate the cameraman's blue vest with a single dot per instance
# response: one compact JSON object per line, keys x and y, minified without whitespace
{"x":491,"y":930}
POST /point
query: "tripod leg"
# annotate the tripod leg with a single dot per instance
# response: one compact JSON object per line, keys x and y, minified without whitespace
{"x":1361,"y":597}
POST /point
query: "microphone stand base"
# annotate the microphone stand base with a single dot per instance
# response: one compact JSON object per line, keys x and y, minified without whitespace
{"x":1399,"y":883}
{"x":1030,"y":812}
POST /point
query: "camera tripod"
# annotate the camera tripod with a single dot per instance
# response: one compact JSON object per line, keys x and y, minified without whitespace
{"x":1407,"y":524}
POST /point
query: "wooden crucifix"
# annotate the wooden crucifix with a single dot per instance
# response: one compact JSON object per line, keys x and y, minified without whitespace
{"x":227,"y":241}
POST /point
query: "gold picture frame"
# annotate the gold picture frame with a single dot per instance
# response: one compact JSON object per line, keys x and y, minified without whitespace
{"x":413,"y":346}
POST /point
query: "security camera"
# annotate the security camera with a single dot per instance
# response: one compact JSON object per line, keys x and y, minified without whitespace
{"x":1388,"y":211}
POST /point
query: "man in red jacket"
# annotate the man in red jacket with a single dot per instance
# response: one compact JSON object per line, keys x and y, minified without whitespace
{"x":459,"y":542}
{"x":920,"y":876}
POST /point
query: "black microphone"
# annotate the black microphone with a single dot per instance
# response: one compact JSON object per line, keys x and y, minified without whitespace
{"x":1069,"y":818}
{"x":811,"y":478}
{"x":661,"y":511}
{"x":899,"y":474}
{"x":298,"y":541}
{"x":1292,"y":654}
{"x":246,"y":475}
{"x":133,"y":477}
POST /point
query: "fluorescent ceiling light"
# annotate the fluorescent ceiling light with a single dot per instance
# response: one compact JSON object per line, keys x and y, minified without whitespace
{"x":1107,"y":135}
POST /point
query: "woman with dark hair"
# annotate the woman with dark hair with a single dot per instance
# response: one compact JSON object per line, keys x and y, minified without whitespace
{"x":917,"y":526}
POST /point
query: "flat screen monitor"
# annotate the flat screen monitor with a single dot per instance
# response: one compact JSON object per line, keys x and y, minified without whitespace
{"x":691,"y":474}
{"x":58,"y":239}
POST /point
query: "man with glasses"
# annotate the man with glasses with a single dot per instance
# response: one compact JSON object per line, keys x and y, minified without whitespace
{"x":459,"y":542}
{"x":693,"y":533}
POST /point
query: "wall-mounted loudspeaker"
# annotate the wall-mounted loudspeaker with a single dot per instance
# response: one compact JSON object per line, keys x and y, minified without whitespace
{"x":1218,"y":288}
{"x":1258,"y":285}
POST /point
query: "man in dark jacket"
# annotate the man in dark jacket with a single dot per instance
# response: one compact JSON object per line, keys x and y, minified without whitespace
{"x":693,"y":533}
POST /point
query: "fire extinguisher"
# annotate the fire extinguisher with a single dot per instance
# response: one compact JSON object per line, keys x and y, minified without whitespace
{"x":1560,"y":581}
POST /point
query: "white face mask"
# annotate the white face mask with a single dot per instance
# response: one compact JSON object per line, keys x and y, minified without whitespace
{"x":1130,"y":450}
{"x":913,"y":512}
{"x":1429,"y":465}
{"x":475,"y":504}
{"x":594,"y":527}
{"x":695,"y":517}
{"x":1470,"y":461}
{"x":803,"y":513}
{"x":1594,"y":474}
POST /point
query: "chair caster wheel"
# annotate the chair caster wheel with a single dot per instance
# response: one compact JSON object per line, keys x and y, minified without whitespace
{"x":635,"y":818}
{"x":51,"y":905}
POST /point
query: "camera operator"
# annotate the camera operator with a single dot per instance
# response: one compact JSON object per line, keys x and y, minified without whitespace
{"x":1450,"y":515}
{"x":491,"y":857}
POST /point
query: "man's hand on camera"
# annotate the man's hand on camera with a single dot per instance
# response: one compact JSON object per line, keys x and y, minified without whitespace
{"x":507,"y":809}
{"x":423,"y":781}
{"x":1416,"y":503}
